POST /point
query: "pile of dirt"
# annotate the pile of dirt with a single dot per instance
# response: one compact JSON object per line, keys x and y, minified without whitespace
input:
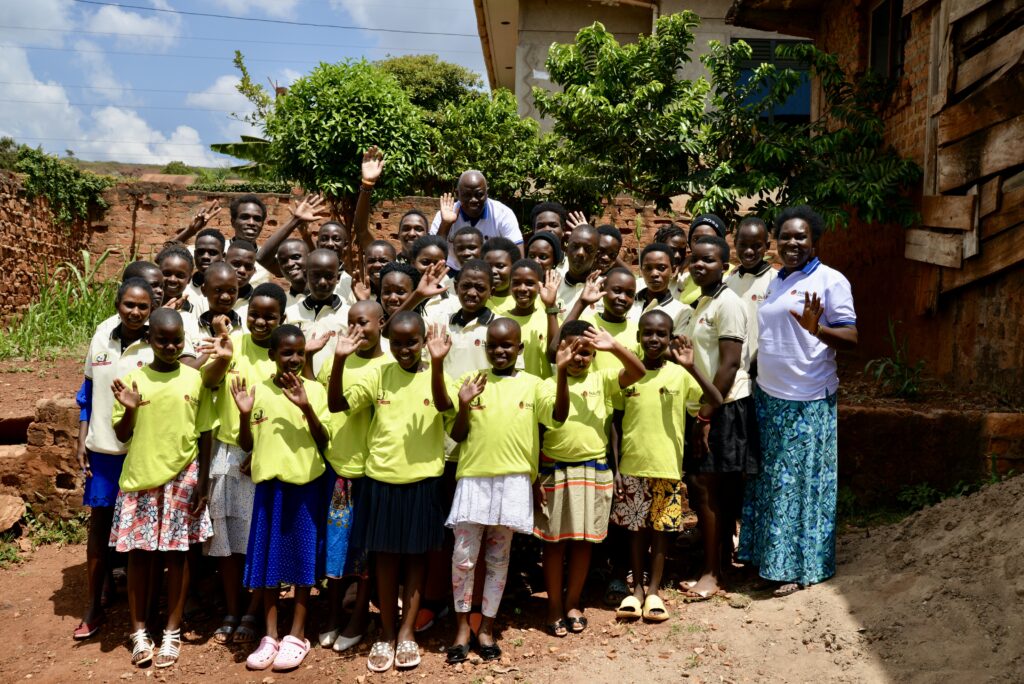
{"x":943,"y":590}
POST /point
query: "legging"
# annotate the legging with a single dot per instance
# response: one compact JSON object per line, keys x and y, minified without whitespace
{"x":467,"y":549}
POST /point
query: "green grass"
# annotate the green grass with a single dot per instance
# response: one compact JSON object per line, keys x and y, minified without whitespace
{"x":62,"y":319}
{"x":43,"y":530}
{"x":9,"y":554}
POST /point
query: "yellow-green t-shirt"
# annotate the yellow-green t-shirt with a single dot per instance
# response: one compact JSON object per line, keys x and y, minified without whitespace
{"x":167,"y":425}
{"x":626,"y":335}
{"x":349,"y":430}
{"x":406,"y":437}
{"x":654,"y":422}
{"x":503,"y":436}
{"x":535,"y":342}
{"x":283,"y":448}
{"x":501,"y":304}
{"x":583,"y":435}
{"x":249,"y":361}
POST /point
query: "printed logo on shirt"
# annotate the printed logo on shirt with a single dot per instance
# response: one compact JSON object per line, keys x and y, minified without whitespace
{"x":526,"y":405}
{"x":670,"y":392}
{"x":382,"y":399}
{"x":259,"y":416}
{"x":426,"y":402}
{"x":144,"y":402}
{"x":192,"y":400}
{"x":477,"y":405}
{"x":630,"y":392}
{"x":476,"y":343}
{"x":139,"y":364}
{"x":101,"y":360}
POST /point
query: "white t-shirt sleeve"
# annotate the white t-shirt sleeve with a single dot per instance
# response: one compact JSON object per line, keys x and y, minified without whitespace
{"x":839,"y":302}
{"x":435,"y":225}
{"x":732,"y":319}
{"x":507,"y":224}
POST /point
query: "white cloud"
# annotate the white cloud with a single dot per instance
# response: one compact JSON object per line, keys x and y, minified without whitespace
{"x":137,"y":142}
{"x":149,"y":30}
{"x":289,"y":76}
{"x":98,"y":73}
{"x":43,"y":111}
{"x":42,"y":14}
{"x":273,"y":8}
{"x":222,"y":94}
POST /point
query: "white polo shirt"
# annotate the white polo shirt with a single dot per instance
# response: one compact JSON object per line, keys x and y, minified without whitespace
{"x":750,"y":287}
{"x":104,"y":363}
{"x":497,"y":220}
{"x":260,"y":276}
{"x":721,"y":316}
{"x":344,"y":288}
{"x":330,"y":317}
{"x":791,"y":363}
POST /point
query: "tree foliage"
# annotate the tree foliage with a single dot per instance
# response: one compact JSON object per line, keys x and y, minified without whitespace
{"x":70,"y":191}
{"x":430,"y":82}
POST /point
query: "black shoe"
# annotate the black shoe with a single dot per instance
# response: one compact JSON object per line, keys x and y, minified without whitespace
{"x":487,"y":653}
{"x":459,"y":653}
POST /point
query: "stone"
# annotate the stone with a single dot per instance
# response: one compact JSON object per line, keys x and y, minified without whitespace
{"x":12,"y":508}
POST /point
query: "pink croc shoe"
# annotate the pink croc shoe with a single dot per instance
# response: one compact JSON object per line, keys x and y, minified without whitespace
{"x":264,"y":655}
{"x":291,"y":654}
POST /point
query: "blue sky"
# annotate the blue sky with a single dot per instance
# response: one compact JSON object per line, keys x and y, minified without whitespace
{"x":138,"y":86}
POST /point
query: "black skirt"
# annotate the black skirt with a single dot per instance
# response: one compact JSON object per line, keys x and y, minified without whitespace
{"x":398,"y":518}
{"x":734,"y":440}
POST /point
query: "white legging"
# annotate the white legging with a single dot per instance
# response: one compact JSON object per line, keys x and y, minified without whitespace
{"x":467,"y":549}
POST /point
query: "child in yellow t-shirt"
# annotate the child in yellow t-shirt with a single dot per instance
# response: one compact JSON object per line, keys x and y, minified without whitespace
{"x":399,"y":515}
{"x":500,"y":253}
{"x":616,"y":290}
{"x":651,"y":418}
{"x":282,"y":423}
{"x":539,"y":326}
{"x":238,"y":355}
{"x":163,"y":413}
{"x":497,"y":426}
{"x":347,"y":457}
{"x":573,"y":495}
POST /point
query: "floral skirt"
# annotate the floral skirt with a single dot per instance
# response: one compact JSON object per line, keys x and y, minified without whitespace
{"x":160,"y":519}
{"x":343,"y":558}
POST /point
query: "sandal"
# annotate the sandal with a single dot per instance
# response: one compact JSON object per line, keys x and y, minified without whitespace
{"x":629,"y":609}
{"x":616,"y":592}
{"x":87,"y":630}
{"x":224,"y":633}
{"x":170,"y":648}
{"x":488,"y":653}
{"x":264,"y":655}
{"x":381,"y":657}
{"x":407,"y":654}
{"x":290,"y":653}
{"x":654,"y":609}
{"x":142,"y":648}
{"x":557,"y":629}
{"x":459,"y":653}
{"x":576,"y":624}
{"x":246,"y":631}
{"x":787,"y":589}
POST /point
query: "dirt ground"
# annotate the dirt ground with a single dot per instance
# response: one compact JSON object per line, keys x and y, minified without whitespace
{"x":24,"y":382}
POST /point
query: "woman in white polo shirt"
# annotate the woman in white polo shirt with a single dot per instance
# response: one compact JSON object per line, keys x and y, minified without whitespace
{"x":789,"y":517}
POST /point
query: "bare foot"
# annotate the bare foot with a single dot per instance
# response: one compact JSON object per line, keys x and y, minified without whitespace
{"x":704,"y":588}
{"x":787,"y":589}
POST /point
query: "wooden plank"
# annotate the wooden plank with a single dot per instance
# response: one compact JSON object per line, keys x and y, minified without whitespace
{"x":948,"y":211}
{"x":991,"y":59}
{"x":961,"y":8}
{"x":930,"y":247}
{"x":937,"y":29}
{"x":911,"y":6}
{"x":1011,"y":213}
{"x":983,"y":154}
{"x":977,"y":27}
{"x":993,"y":103}
{"x":989,"y":196}
{"x":972,"y":238}
{"x":999,"y":253}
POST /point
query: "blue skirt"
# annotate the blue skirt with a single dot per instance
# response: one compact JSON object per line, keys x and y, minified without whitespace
{"x":789,"y":516}
{"x":101,"y":489}
{"x":286,"y":536}
{"x":343,"y":557}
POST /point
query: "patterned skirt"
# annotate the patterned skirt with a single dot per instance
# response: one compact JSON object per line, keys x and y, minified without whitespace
{"x":500,"y":500}
{"x":579,"y":500}
{"x":231,"y":498}
{"x":343,"y":557}
{"x":789,"y":516}
{"x":160,"y":519}
{"x":286,"y":539}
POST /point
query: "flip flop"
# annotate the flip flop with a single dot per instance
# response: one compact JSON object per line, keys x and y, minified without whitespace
{"x":557,"y":629}
{"x":654,"y":609}
{"x":629,"y":608}
{"x":226,"y":631}
{"x":246,"y":631}
{"x":291,"y":653}
{"x":576,"y":624}
{"x":411,"y":651}
{"x":87,"y":630}
{"x":381,"y":649}
{"x":787,"y":589}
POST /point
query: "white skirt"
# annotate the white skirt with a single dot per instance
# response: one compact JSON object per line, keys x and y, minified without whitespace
{"x":230,"y":502}
{"x":501,"y":500}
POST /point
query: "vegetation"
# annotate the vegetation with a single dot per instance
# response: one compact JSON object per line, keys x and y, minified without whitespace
{"x":430,"y":82}
{"x":71,"y":303}
{"x":895,"y":374}
{"x":70,"y":191}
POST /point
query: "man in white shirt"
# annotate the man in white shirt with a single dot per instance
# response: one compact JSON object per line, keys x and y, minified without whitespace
{"x":474,"y":208}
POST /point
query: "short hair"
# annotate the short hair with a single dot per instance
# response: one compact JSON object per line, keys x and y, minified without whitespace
{"x":334,"y":223}
{"x":666,"y":233}
{"x":754,"y":221}
{"x":713,"y":220}
{"x":619,"y":270}
{"x":723,"y":246}
{"x":243,"y":245}
{"x":414,"y":212}
{"x":550,"y":238}
{"x":283,"y":331}
{"x":399,"y":267}
{"x":165,"y":316}
{"x":138,"y":269}
{"x":215,"y":234}
{"x":609,"y":229}
{"x":292,"y":241}
{"x":411,"y":317}
{"x":129,"y":283}
{"x":177,"y":250}
{"x":273,"y":291}
{"x":574,"y":329}
{"x":216,"y":266}
{"x":246,"y":199}
{"x":804,"y":213}
{"x":583,"y":228}
{"x":530,"y":264}
{"x":506,"y":323}
{"x":658,"y":247}
{"x":424,"y":241}
{"x":381,"y":243}
{"x":324,"y":252}
{"x":656,"y":313}
{"x":468,"y":230}
{"x":554,"y":207}
{"x":475,"y":266}
{"x":501,"y":244}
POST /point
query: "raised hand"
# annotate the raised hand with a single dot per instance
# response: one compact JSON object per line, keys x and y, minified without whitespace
{"x":439,"y":342}
{"x":309,"y":208}
{"x":599,"y":339}
{"x":219,"y":347}
{"x":472,"y":388}
{"x":129,"y":398}
{"x":373,"y":164}
{"x":317,"y":341}
{"x":432,"y":281}
{"x":680,"y":350}
{"x":593,"y":288}
{"x":361,"y":288}
{"x":448,"y":213}
{"x":549,"y":288}
{"x":809,"y":319}
{"x":221,"y":325}
{"x":575,"y":218}
{"x":348,"y":342}
{"x":175,"y":303}
{"x":244,"y":397}
{"x":294,"y":389}
{"x":566,"y":350}
{"x":205,"y":215}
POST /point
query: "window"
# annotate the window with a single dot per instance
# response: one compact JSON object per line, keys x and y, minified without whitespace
{"x":889,"y":33}
{"x":797,"y":109}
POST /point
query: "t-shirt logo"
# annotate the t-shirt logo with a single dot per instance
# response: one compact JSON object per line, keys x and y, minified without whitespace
{"x":381,"y":399}
{"x":792,"y":292}
{"x":426,"y":402}
{"x":139,"y":363}
{"x":630,"y":392}
{"x":668,"y":391}
{"x":475,"y":405}
{"x":258,"y":416}
{"x":584,"y":394}
{"x":101,"y":360}
{"x":476,"y":343}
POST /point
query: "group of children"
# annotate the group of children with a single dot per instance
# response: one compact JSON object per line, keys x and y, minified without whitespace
{"x":402,"y":425}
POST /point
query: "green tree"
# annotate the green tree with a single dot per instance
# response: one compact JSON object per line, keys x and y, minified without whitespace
{"x":177,"y":168}
{"x":430,"y":82}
